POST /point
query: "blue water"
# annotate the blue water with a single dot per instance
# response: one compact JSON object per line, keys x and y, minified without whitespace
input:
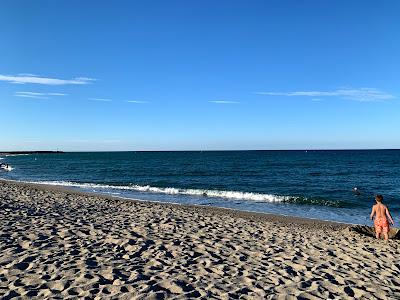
{"x":313,"y":184}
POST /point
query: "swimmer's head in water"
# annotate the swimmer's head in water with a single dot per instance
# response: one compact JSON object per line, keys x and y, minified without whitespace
{"x":379,"y":198}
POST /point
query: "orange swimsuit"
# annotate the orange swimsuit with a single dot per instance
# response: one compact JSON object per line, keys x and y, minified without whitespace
{"x":381,"y":224}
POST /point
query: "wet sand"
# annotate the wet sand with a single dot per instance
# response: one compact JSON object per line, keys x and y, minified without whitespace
{"x":61,"y":243}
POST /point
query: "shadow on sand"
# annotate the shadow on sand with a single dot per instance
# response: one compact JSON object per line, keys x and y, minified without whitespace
{"x":394,"y":233}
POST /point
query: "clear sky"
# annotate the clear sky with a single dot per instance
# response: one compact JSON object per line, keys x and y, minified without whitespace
{"x":182,"y":75}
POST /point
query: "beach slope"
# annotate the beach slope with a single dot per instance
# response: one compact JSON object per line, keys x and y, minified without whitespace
{"x":60,"y":243}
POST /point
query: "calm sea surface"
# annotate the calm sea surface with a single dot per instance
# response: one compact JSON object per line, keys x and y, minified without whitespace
{"x":313,"y":184}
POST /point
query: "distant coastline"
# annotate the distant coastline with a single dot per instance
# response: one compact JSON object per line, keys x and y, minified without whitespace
{"x":29,"y":152}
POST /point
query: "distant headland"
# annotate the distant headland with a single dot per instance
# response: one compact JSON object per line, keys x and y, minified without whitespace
{"x":28,"y":152}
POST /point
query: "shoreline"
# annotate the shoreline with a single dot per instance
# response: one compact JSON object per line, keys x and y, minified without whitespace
{"x":250,"y":215}
{"x":57,"y":242}
{"x":223,"y":210}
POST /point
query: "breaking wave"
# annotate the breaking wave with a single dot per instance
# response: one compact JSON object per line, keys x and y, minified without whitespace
{"x":209,"y":193}
{"x":236,"y":195}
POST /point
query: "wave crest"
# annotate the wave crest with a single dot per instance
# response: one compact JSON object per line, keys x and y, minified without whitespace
{"x":232,"y":195}
{"x":236,"y":195}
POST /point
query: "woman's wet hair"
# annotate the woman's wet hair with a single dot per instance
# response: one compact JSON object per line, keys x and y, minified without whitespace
{"x":379,"y":198}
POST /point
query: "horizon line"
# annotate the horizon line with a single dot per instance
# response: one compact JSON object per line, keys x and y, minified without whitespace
{"x":210,"y":150}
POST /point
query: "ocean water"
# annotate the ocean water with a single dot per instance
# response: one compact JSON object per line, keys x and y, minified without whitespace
{"x":312,"y":184}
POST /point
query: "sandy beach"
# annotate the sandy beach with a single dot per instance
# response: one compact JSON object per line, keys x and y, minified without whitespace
{"x":58,"y":243}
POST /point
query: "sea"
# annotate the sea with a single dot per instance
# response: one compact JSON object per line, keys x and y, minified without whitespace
{"x":335,"y":185}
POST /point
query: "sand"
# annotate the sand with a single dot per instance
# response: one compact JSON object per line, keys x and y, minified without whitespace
{"x":56,"y":243}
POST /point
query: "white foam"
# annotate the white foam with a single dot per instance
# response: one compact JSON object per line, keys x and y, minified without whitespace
{"x":8,"y":168}
{"x":176,"y":191}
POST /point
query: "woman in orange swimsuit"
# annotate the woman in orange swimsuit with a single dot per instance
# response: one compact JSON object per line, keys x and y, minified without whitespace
{"x":381,"y":214}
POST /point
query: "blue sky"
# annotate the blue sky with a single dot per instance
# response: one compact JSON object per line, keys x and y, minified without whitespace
{"x":181,"y":75}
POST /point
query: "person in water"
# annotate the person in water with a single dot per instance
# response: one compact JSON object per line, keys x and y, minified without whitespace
{"x":381,"y":214}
